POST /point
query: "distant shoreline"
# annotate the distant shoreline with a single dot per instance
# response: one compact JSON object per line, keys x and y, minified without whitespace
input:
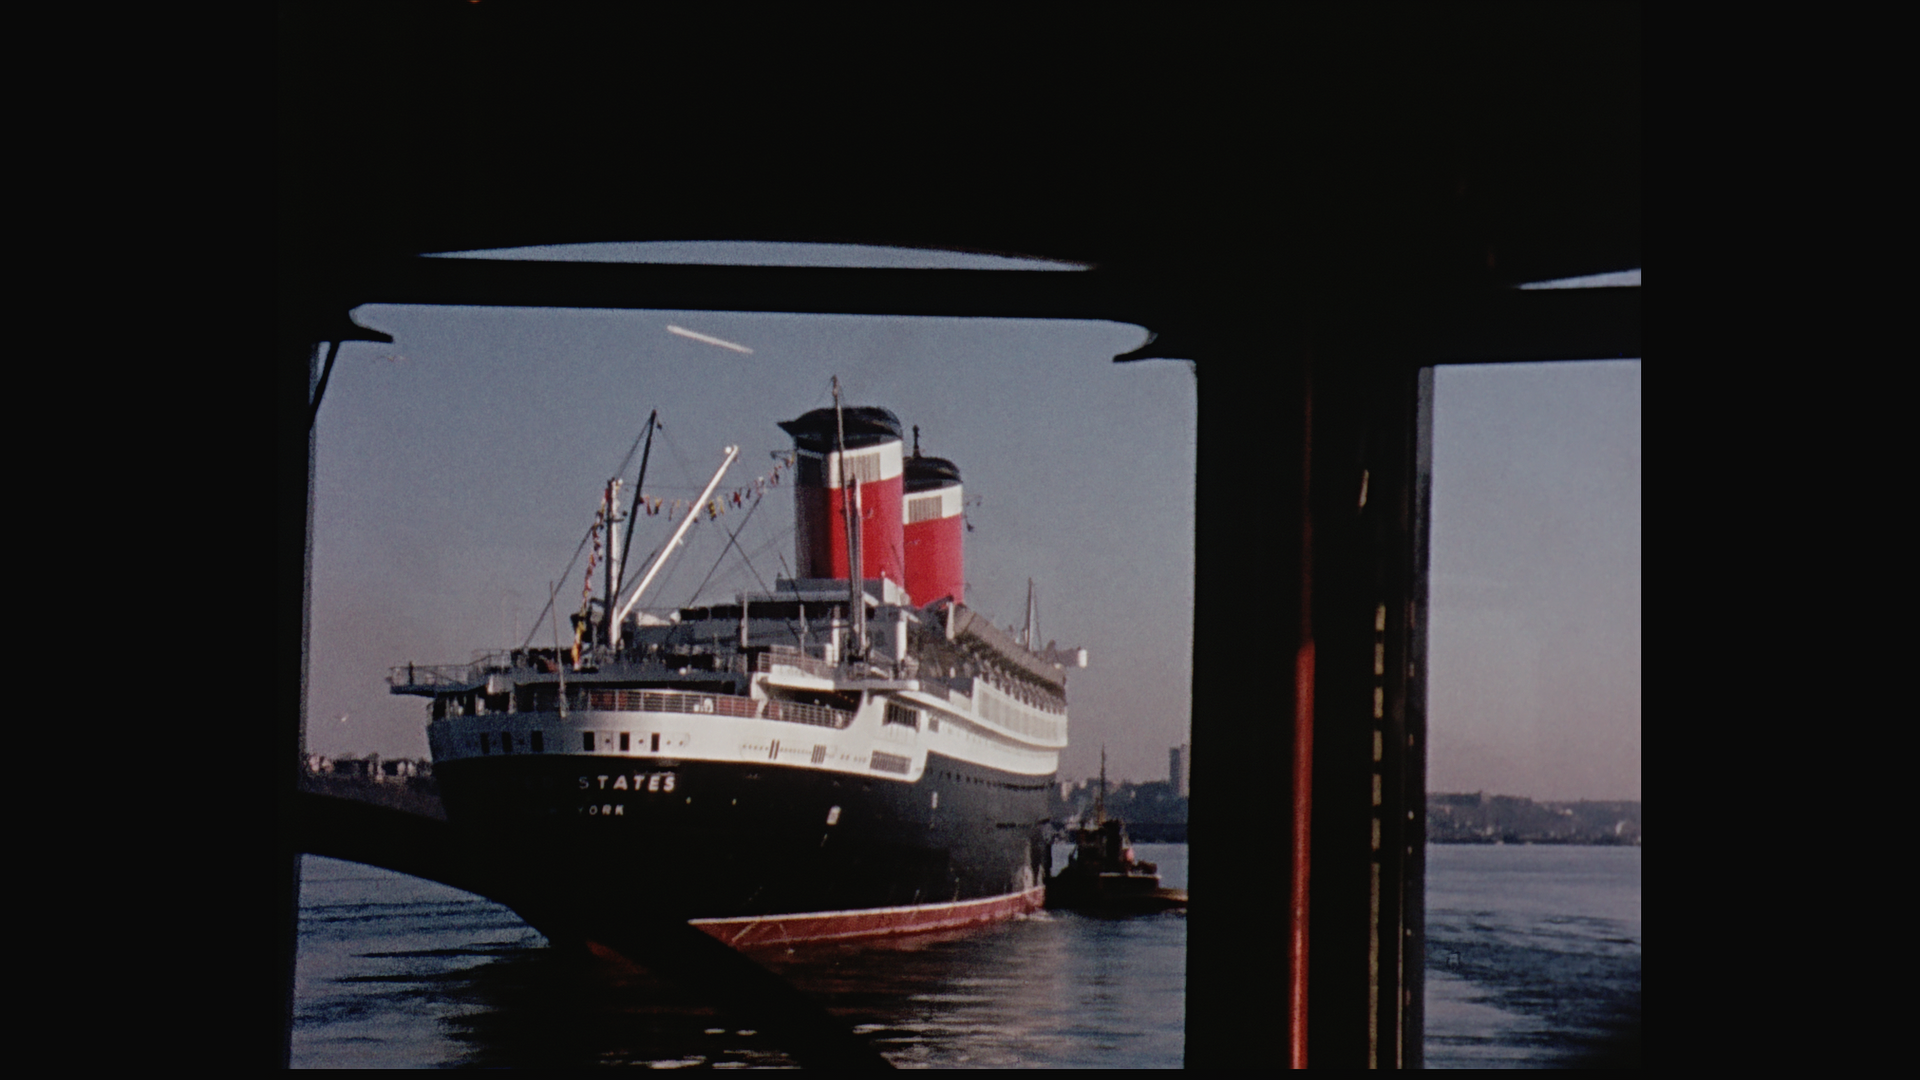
{"x":416,"y":795}
{"x":1480,"y":821}
{"x":1543,"y":841}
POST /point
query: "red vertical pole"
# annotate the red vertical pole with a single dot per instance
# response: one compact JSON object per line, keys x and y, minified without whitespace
{"x":1302,"y":751}
{"x":1297,"y":886}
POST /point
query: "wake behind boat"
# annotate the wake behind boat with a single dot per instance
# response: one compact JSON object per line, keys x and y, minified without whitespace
{"x":853,"y":752}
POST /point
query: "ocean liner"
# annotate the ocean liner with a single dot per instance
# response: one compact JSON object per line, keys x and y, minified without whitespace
{"x":854,"y":752}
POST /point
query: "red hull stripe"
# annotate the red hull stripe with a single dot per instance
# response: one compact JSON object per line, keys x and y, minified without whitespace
{"x":872,"y":922}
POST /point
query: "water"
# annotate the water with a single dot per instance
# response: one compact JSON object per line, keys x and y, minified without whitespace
{"x":398,"y":972}
{"x":1533,"y":954}
{"x":1533,"y":959}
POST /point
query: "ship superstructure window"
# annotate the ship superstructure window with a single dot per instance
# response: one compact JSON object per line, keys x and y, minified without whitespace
{"x":586,"y":741}
{"x":862,"y":467}
{"x":486,"y":747}
{"x":656,"y":742}
{"x":624,"y":736}
{"x":900,"y":714}
{"x":537,"y":740}
{"x":506,"y":742}
{"x":923,"y":509}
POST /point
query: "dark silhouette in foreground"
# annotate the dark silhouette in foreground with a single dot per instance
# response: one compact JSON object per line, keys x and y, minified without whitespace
{"x":546,"y":897}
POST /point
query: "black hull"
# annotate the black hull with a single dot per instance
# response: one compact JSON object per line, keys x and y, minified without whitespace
{"x":719,"y":840}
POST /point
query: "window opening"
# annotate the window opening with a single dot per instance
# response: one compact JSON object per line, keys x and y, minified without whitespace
{"x":1533,"y":713}
{"x":1078,"y":473}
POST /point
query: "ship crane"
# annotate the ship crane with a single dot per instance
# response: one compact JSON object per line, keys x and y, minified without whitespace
{"x":678,"y":534}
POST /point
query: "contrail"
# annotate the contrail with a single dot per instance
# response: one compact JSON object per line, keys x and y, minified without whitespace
{"x":708,"y":340}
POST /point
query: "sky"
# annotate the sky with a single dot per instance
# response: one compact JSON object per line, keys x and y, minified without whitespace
{"x":458,"y":468}
{"x":1534,"y":592}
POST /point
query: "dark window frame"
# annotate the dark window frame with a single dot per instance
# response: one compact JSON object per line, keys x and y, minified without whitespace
{"x":1351,"y":397}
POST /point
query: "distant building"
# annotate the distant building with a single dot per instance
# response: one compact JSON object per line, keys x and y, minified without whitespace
{"x":1153,"y":790}
{"x":1180,"y":770}
{"x":1454,"y":818}
{"x":371,"y":769}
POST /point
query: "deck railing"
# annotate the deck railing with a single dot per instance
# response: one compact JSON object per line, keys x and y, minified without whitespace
{"x":434,"y":675}
{"x":663,"y":701}
{"x":794,"y":712}
{"x":672,"y":701}
{"x":877,"y":667}
{"x":764,"y":663}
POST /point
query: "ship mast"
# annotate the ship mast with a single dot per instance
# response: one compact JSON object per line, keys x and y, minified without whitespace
{"x":1100,"y":797}
{"x":850,"y":511}
{"x":612,"y":632}
{"x":559,"y":664}
{"x":614,"y":555}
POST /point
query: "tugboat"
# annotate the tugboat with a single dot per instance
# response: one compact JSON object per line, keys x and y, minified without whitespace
{"x":1102,"y":876}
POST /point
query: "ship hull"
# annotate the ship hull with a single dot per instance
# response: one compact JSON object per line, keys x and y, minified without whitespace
{"x":777,"y":930}
{"x":764,"y":853}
